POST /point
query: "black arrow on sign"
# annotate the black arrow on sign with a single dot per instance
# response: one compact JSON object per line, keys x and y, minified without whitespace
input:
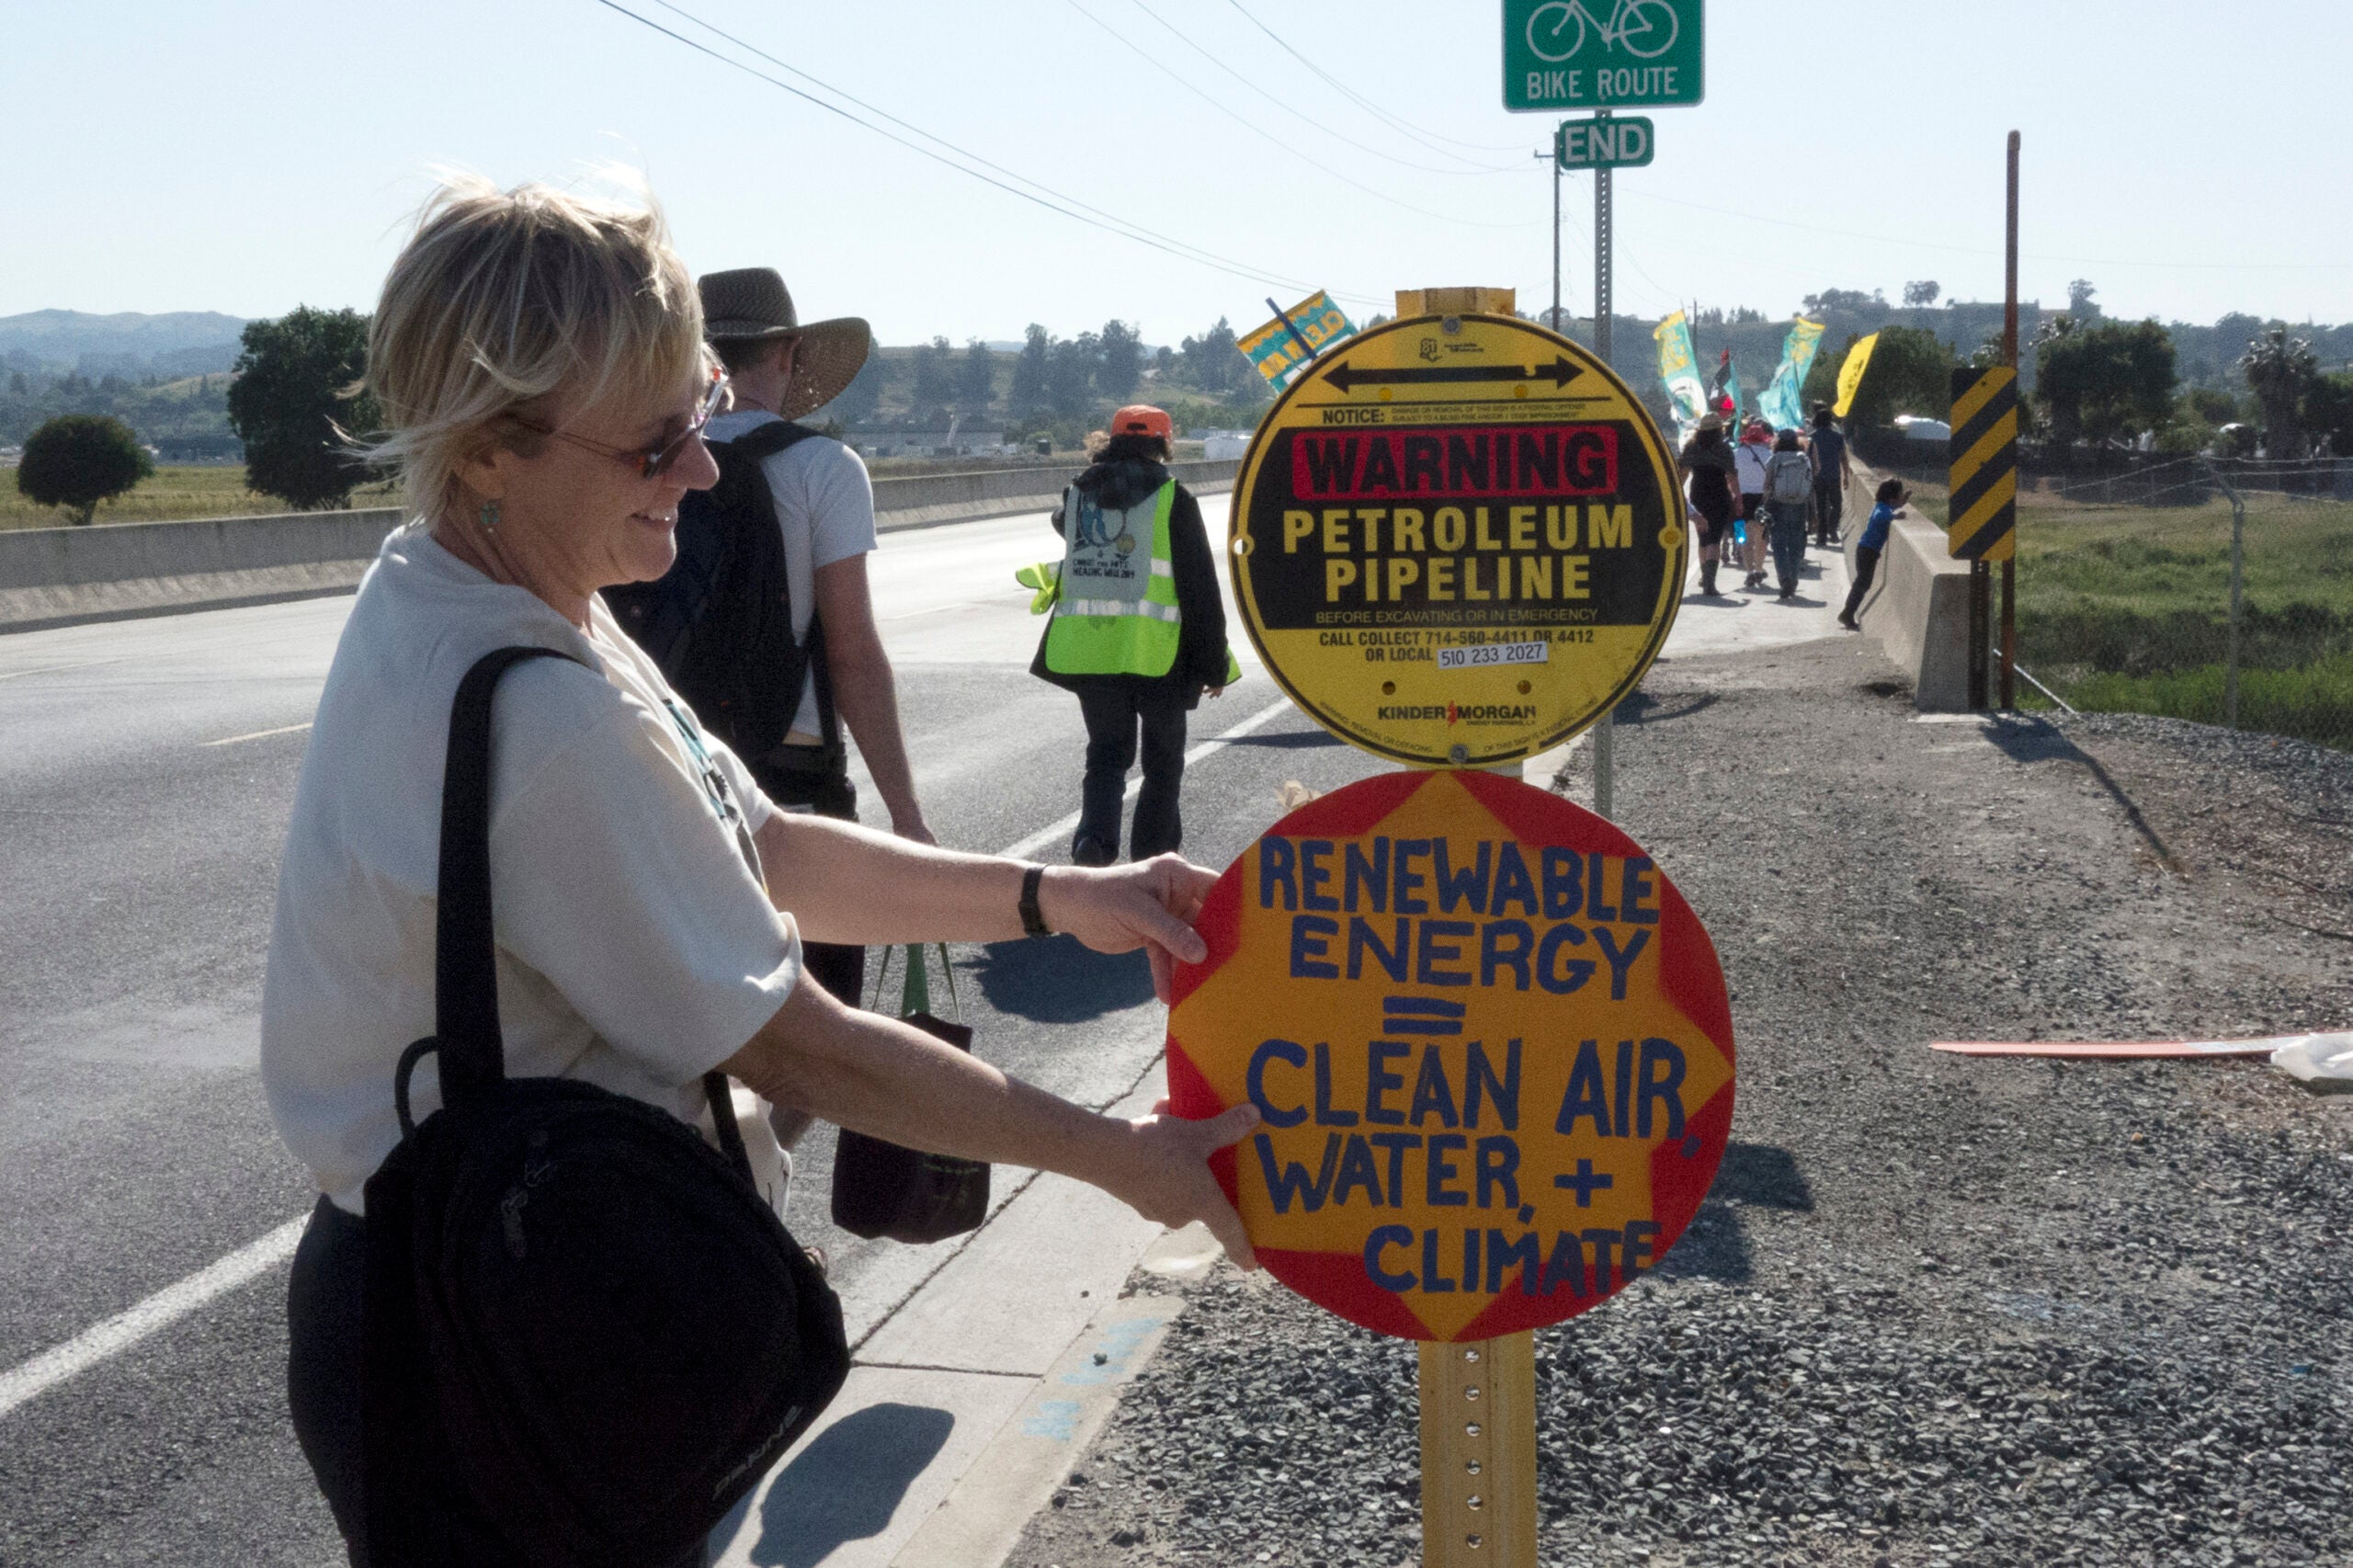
{"x":1560,"y":372}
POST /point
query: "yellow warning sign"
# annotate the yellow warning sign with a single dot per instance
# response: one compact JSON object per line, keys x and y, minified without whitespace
{"x":1983,"y":503}
{"x":1457,"y":540}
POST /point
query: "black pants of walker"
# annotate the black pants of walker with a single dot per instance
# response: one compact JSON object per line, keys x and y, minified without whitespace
{"x":1116,"y":713}
{"x":1866,"y":568}
{"x":822,"y":786}
{"x":323,"y":1376}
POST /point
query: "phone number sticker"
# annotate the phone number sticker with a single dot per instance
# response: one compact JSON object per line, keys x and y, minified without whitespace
{"x":1493,"y":653}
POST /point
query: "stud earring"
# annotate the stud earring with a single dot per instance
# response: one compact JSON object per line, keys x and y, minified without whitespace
{"x":488,"y":516}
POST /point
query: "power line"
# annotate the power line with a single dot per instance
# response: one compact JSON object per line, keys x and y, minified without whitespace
{"x":1296,"y":113}
{"x":1166,"y":70}
{"x":1393,"y":121}
{"x":1052,"y":201}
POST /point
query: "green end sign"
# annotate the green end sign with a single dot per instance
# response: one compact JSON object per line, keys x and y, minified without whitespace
{"x":1602,"y":54}
{"x":1610,"y":144}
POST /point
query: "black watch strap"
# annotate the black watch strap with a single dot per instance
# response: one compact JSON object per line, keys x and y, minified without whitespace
{"x":1033,"y":921}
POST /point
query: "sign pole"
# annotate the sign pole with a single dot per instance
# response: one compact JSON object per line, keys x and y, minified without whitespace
{"x":1479,"y":1453}
{"x":2010,"y":358}
{"x":1605,"y":735}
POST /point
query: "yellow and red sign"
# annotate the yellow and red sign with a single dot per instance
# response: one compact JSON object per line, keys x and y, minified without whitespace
{"x":1457,"y":540}
{"x":1489,"y":1043}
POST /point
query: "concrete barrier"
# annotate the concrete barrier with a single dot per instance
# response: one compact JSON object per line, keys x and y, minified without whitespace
{"x":1917,"y":609}
{"x":118,"y":571}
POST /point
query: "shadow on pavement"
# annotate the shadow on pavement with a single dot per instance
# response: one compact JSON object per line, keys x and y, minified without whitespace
{"x":1642,"y":708}
{"x":1753,"y":1176}
{"x":846,"y":1484}
{"x":1291,"y":739}
{"x":1058,"y":981}
{"x":2024,"y":739}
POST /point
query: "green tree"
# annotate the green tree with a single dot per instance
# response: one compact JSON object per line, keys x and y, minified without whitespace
{"x":2280,"y":370}
{"x":79,"y":460}
{"x":1213,"y":363}
{"x":1921,"y":295}
{"x":856,"y":402}
{"x":2328,"y":411}
{"x":1120,"y":365}
{"x":935,"y":381}
{"x":976,"y":379}
{"x":295,"y":397}
{"x":2106,"y":380}
{"x":1028,"y":399}
{"x":1070,"y":376}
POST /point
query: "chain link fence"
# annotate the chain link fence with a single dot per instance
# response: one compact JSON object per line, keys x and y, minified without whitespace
{"x":2217,"y":590}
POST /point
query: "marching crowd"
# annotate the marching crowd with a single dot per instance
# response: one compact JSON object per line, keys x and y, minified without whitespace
{"x":1771,"y":490}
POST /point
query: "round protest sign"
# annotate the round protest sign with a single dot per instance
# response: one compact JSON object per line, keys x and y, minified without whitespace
{"x":1457,"y":540}
{"x":1489,"y":1043}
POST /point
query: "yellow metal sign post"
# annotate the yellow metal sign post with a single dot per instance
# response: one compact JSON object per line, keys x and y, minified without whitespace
{"x":1457,"y":540}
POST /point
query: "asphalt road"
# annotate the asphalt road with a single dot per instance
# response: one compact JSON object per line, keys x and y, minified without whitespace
{"x":145,"y":786}
{"x":148,"y":769}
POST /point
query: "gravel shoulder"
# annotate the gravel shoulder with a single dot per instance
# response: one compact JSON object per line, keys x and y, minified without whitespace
{"x":1937,"y":1310}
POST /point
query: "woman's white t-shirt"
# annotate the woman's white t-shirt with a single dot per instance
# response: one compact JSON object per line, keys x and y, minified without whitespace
{"x":636,"y":949}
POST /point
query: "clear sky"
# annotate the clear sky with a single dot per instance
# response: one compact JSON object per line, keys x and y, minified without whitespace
{"x":248,"y":155}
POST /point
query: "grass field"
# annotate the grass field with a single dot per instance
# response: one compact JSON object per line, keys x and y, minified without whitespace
{"x":2127,"y":608}
{"x":169,"y":494}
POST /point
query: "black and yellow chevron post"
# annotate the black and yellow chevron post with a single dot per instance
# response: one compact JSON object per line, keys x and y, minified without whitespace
{"x":1984,"y":510}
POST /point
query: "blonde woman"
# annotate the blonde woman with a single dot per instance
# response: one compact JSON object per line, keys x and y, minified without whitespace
{"x":539,"y":361}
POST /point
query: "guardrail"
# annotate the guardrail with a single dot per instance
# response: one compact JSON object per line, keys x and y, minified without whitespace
{"x":117,"y":571}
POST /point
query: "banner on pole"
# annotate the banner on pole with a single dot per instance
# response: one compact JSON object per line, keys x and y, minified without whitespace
{"x":1276,"y":353}
{"x":1677,"y":368}
{"x":1782,"y":403}
{"x":1850,"y":374}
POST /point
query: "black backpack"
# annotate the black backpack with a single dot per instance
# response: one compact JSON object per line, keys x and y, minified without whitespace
{"x":720,"y":622}
{"x":585,"y":1335}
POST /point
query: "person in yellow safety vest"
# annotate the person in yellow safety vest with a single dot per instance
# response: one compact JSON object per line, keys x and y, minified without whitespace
{"x":1138,"y":630}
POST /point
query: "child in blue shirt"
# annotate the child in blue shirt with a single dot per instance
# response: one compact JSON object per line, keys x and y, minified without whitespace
{"x":1891,"y":498}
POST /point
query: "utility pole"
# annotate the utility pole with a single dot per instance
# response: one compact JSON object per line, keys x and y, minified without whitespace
{"x":1605,"y":734}
{"x":2010,"y":358}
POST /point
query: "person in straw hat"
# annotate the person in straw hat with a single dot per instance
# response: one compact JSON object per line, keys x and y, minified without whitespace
{"x":815,"y":491}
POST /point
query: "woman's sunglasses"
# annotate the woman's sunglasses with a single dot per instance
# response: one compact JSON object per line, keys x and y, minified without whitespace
{"x":655,"y":461}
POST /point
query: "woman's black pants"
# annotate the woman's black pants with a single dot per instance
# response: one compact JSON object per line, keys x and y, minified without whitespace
{"x":1116,"y":712}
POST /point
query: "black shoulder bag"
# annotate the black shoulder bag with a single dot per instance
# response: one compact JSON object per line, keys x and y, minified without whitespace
{"x":585,"y":1337}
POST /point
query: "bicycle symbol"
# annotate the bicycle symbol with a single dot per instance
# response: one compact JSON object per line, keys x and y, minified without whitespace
{"x":1643,"y":28}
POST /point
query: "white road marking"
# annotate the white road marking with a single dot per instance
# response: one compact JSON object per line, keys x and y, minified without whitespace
{"x":158,"y":1312}
{"x":259,"y":735}
{"x":52,"y":669}
{"x":45,"y":1371}
{"x":1023,"y":848}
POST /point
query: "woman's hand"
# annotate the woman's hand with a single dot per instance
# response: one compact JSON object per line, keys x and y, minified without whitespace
{"x":1118,"y":909}
{"x":1167,"y":1178}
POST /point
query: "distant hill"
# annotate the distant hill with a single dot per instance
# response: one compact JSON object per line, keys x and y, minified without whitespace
{"x":179,"y":343}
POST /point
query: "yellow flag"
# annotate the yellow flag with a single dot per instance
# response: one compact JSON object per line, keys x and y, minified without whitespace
{"x":1850,"y":374}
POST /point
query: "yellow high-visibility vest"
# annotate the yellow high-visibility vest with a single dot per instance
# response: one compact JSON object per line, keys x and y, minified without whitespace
{"x":1116,"y":614}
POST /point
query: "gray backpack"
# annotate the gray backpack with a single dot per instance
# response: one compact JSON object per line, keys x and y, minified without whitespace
{"x":1788,"y":477}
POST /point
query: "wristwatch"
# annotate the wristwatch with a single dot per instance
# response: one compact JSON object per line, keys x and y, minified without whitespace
{"x":1033,"y":921}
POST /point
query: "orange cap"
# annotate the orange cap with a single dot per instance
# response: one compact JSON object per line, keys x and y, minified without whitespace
{"x":1143,"y":419}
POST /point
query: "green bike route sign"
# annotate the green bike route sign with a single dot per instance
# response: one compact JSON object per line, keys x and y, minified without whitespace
{"x":1563,"y":54}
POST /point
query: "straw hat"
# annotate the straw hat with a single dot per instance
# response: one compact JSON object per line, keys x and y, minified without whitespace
{"x":751,"y":304}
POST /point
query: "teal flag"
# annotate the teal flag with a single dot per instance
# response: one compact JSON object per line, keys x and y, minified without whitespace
{"x":1782,"y":403}
{"x":1685,"y":392}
